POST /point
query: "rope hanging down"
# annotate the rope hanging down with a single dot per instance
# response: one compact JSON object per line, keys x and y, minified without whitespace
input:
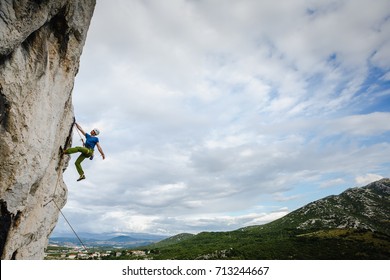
{"x":52,"y":200}
{"x":81,"y":242}
{"x":81,"y":138}
{"x":58,"y":168}
{"x":59,"y":209}
{"x":55,"y":189}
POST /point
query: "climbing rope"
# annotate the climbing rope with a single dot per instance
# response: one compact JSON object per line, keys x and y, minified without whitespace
{"x":81,"y":242}
{"x":63,"y":215}
{"x":61,"y":155}
{"x":52,"y":200}
{"x":59,"y":209}
{"x":55,"y":189}
{"x":81,"y":138}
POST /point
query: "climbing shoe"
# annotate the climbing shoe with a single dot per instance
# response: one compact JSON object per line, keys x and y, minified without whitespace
{"x":82,"y":177}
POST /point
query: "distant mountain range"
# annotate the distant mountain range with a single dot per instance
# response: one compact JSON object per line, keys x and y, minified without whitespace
{"x":109,"y":239}
{"x":352,"y":225}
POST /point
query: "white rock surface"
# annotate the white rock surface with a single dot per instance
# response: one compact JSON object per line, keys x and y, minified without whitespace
{"x":40,"y":48}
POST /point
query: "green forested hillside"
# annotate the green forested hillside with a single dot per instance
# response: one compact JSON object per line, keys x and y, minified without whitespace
{"x":352,"y":225}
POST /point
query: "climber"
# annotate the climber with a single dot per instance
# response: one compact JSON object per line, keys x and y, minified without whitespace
{"x":87,"y":151}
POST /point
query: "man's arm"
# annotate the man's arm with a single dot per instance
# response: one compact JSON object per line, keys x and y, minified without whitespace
{"x":79,"y":128}
{"x":100,"y":150}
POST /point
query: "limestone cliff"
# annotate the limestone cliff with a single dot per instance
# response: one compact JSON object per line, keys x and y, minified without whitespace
{"x":40,"y":47}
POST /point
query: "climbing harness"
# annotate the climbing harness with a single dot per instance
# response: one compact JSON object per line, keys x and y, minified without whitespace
{"x":82,"y":140}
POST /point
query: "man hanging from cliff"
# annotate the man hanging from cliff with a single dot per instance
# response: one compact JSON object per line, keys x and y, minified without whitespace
{"x":87,"y":151}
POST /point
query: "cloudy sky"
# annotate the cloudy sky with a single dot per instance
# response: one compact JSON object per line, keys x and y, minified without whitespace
{"x":215,"y":115}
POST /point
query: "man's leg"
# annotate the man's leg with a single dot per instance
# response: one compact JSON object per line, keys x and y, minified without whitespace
{"x":78,"y":164}
{"x":76,"y":150}
{"x":84,"y":154}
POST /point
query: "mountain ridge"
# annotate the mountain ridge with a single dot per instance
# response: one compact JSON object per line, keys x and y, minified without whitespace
{"x":351,"y":225}
{"x":365,"y":207}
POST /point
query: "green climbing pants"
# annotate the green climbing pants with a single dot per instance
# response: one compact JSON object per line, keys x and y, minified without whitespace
{"x":85,"y":153}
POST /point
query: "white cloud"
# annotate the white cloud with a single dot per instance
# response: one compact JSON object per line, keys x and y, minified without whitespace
{"x":332,"y":183}
{"x":366,"y":179}
{"x":365,"y":125}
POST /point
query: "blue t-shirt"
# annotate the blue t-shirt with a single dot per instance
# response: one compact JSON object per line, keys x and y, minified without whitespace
{"x":90,"y":141}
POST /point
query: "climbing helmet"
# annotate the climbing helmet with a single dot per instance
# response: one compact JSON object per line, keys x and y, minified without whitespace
{"x":97,"y":131}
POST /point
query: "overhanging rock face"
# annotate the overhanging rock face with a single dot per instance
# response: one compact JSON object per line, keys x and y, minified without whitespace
{"x":40,"y":47}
